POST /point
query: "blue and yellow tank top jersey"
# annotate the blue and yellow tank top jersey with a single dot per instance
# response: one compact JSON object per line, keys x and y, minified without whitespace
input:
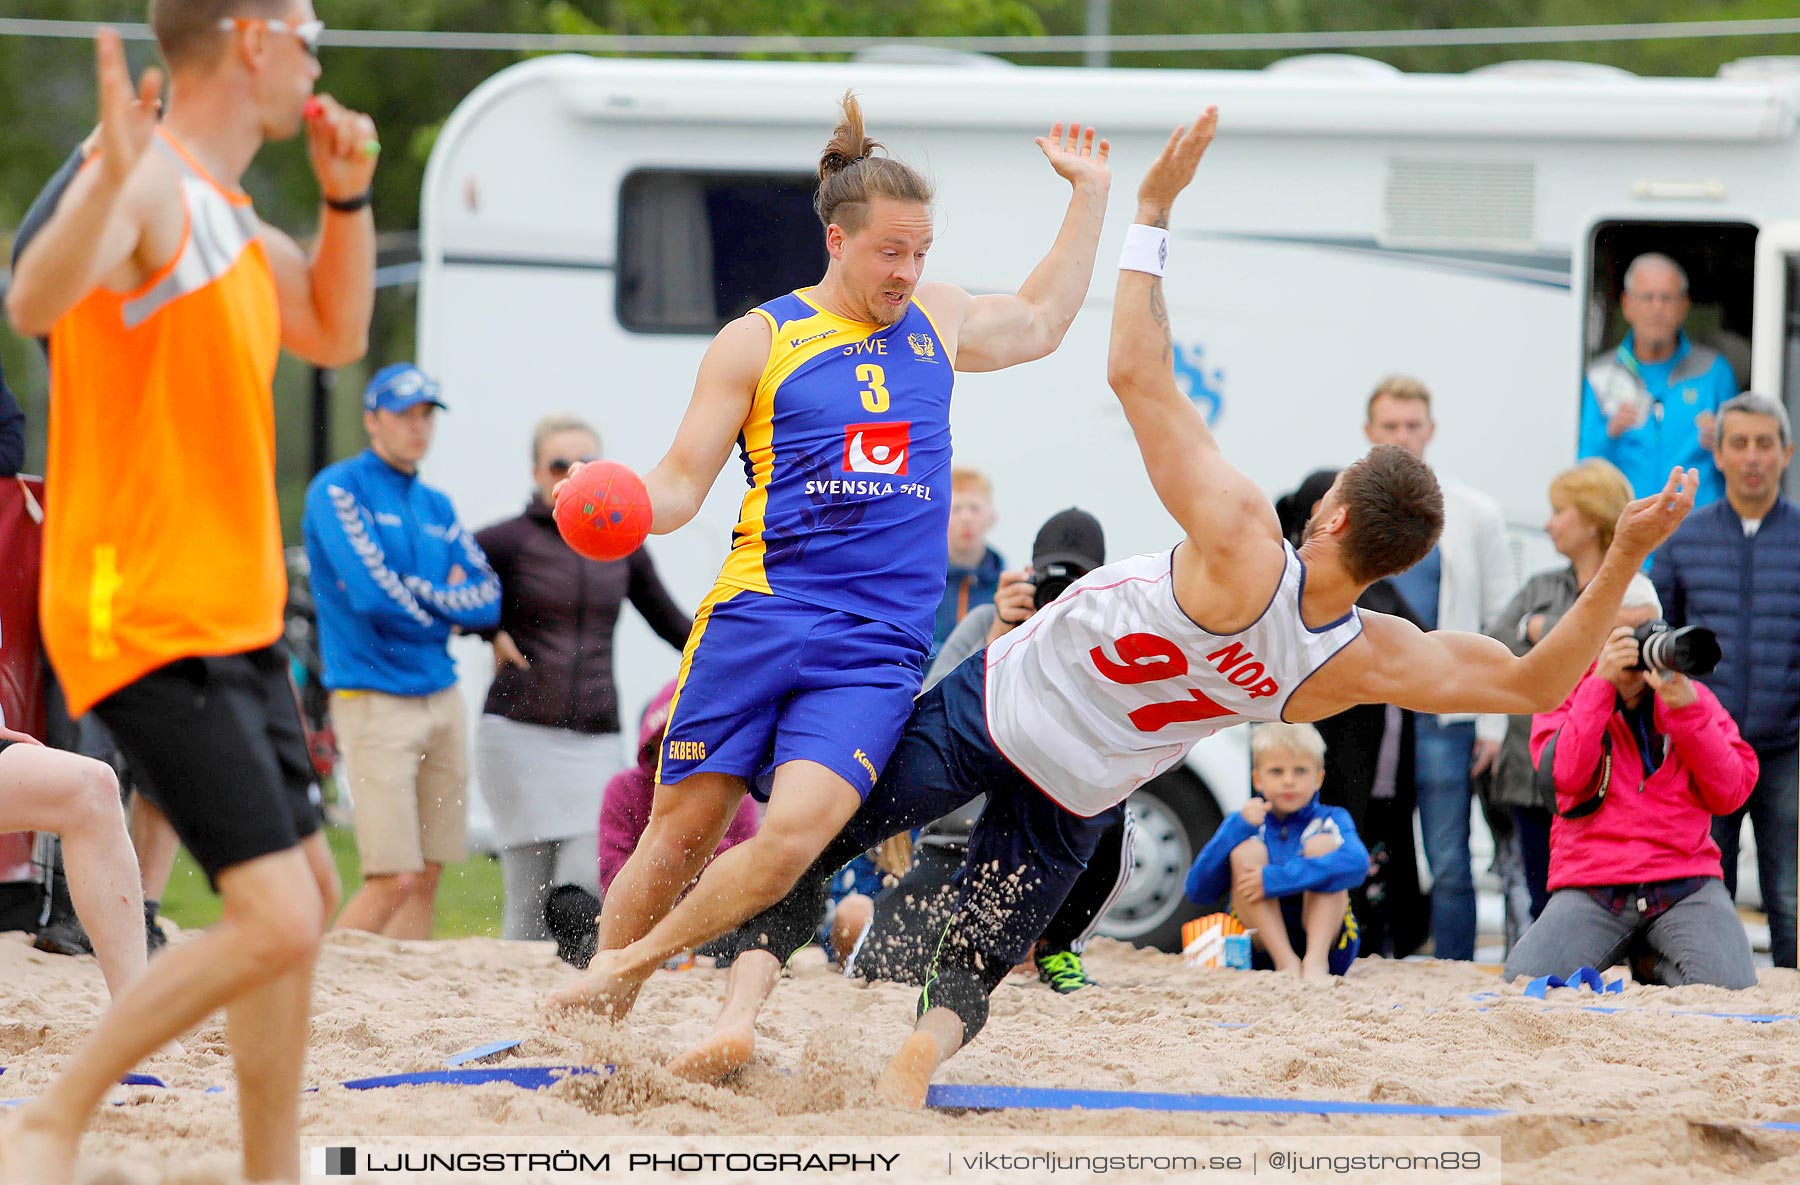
{"x":847,"y":453}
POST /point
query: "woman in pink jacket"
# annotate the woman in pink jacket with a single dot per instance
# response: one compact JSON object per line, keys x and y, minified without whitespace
{"x":1642,"y":763}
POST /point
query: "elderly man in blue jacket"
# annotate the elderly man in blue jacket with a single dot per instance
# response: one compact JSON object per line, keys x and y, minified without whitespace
{"x":1652,"y":403}
{"x":393,"y":573}
{"x":1734,"y":567}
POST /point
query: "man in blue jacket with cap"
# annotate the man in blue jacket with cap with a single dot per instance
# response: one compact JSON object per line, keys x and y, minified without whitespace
{"x":393,"y":573}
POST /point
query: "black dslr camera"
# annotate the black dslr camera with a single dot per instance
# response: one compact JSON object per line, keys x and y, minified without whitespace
{"x":1049,"y":582}
{"x":1691,"y":650}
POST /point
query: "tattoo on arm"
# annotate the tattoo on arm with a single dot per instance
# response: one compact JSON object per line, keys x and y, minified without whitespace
{"x":1161,"y":220}
{"x":1159,"y":313}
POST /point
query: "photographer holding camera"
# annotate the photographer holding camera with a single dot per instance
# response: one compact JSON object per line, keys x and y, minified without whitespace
{"x":1642,"y":758}
{"x":1734,"y":567}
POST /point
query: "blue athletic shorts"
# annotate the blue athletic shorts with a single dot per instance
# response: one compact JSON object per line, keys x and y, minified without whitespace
{"x":1343,"y":951}
{"x":766,"y":680}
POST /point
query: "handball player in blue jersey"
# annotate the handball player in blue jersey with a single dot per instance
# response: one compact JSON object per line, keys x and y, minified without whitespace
{"x":805,"y":657}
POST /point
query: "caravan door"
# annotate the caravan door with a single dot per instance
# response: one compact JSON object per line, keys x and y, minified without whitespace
{"x":1775,"y":346}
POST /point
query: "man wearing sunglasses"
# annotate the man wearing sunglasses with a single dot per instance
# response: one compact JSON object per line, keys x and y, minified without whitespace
{"x":166,"y":302}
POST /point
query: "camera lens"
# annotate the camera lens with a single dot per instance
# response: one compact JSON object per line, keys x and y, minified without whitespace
{"x":1691,"y":650}
{"x":1049,"y":582}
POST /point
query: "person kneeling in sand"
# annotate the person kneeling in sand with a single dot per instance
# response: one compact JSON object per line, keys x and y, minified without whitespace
{"x":1289,"y":860}
{"x":1642,"y":761}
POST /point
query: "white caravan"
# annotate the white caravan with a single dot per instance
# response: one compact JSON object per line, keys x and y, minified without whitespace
{"x":588,"y":224}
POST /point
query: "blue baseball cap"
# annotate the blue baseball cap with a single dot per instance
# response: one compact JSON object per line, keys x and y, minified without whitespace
{"x":399,"y":387}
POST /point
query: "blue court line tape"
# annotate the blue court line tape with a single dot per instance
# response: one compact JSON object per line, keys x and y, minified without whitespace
{"x":1581,"y":977}
{"x":529,"y":1077}
{"x":1758,"y":1018}
{"x":1000,"y":1098}
{"x":985,"y":1098}
{"x":128,"y":1080}
{"x":131,"y":1080}
{"x":478,"y":1052}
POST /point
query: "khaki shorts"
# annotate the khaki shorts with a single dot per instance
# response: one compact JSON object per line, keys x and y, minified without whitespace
{"x":407,"y":761}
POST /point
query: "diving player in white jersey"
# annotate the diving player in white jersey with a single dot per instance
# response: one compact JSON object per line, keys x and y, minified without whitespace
{"x":1113,"y":682}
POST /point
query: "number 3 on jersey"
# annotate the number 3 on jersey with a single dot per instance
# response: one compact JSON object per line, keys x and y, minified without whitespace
{"x":1147,"y":658}
{"x":875,"y":395}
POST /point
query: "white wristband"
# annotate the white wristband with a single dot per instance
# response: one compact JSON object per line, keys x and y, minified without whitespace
{"x":1146,"y":249}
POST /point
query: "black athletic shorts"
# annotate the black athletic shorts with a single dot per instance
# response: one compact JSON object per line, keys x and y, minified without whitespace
{"x":219,"y":746}
{"x":1026,"y":851}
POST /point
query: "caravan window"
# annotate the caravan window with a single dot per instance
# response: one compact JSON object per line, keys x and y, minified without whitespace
{"x":697,"y":250}
{"x":1720,"y":261}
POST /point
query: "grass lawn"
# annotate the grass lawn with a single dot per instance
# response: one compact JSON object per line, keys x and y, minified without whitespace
{"x":468,"y":898}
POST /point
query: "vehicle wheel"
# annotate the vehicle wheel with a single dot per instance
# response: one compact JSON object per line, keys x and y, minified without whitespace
{"x":1174,"y":815}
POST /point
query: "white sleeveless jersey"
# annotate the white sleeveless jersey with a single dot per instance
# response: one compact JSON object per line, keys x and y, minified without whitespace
{"x":1111,"y":684}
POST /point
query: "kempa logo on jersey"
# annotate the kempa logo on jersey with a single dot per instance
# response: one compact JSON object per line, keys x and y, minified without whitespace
{"x":796,"y":342}
{"x":877,"y":448}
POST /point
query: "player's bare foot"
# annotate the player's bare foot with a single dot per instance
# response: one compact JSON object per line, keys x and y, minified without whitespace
{"x":1315,"y":971}
{"x":715,"y":1059}
{"x":908,"y":1076}
{"x":34,"y":1152}
{"x":604,"y":987}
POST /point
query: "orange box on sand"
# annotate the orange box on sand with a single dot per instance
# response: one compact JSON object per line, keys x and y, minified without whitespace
{"x":1203,"y":939}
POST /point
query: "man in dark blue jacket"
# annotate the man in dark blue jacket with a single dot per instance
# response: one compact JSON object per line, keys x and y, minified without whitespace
{"x":1734,"y":567}
{"x":393,"y":572}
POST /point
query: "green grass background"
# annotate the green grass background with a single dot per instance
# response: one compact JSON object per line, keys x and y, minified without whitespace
{"x":468,"y":897}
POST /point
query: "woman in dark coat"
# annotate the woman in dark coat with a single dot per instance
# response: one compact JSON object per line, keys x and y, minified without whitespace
{"x":549,"y":736}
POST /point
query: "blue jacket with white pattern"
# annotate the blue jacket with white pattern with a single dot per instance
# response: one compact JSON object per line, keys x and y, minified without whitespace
{"x":383,"y":546}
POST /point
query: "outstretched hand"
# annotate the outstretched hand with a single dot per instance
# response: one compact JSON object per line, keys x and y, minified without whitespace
{"x":1076,"y":155}
{"x":127,"y":115}
{"x":1172,"y":170}
{"x":1647,"y":522}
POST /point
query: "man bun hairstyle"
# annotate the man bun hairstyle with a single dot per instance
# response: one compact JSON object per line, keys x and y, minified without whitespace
{"x":851,"y":175}
{"x":1396,"y":513}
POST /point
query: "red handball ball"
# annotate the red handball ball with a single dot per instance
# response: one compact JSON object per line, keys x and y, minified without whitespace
{"x":603,"y":511}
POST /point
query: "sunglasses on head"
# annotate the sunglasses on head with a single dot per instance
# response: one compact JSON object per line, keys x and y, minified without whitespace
{"x":561,"y":465}
{"x":307,"y":33}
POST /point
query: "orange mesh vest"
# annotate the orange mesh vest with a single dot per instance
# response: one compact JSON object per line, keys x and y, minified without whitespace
{"x":163,"y":539}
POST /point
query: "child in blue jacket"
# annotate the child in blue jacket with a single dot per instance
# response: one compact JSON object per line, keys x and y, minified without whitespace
{"x":1288,"y":860}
